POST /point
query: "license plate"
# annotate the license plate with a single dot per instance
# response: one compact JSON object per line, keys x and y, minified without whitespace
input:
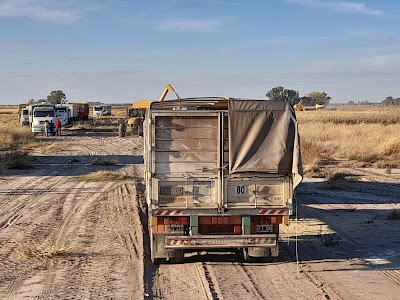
{"x":171,"y":191}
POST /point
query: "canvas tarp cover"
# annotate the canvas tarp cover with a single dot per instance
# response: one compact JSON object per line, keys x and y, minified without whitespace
{"x":264,"y":138}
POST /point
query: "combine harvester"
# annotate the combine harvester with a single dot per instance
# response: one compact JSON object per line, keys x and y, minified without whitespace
{"x":220,"y":173}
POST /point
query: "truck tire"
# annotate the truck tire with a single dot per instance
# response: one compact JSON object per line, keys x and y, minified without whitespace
{"x":256,"y":259}
{"x":121,"y":130}
{"x":159,"y":261}
{"x":176,"y":260}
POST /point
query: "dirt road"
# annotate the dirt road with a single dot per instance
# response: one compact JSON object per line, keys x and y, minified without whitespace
{"x":65,"y":239}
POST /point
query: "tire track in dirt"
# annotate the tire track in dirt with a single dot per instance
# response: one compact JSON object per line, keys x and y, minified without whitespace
{"x":210,"y":284}
{"x":27,"y":194}
{"x":120,"y":222}
{"x":115,"y":267}
{"x":91,"y":269}
{"x":237,"y":281}
{"x":60,"y":232}
{"x":26,"y":208}
{"x":80,"y":201}
{"x":183,"y":281}
{"x":393,"y":275}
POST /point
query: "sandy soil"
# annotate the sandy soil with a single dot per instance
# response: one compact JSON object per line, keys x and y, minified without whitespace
{"x":88,"y":241}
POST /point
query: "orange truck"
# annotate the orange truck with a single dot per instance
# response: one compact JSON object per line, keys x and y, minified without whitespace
{"x":220,"y":173}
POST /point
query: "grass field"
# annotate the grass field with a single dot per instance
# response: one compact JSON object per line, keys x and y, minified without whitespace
{"x":352,"y":136}
{"x":12,"y":135}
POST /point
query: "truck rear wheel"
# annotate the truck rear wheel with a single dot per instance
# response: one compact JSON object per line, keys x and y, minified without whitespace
{"x":176,"y":260}
{"x":266,"y":258}
{"x":121,"y":130}
{"x":159,"y":261}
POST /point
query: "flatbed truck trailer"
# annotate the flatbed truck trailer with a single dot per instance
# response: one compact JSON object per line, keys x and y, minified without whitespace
{"x":220,"y":173}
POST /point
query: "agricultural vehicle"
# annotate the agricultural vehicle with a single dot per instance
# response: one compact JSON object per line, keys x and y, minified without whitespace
{"x":136,"y":114}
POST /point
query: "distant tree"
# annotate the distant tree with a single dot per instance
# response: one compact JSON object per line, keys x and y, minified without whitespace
{"x":319,"y":97}
{"x":351,"y":102}
{"x":307,"y":101}
{"x":279,"y":93}
{"x":31,"y":101}
{"x":57,"y":97}
{"x":391,"y":101}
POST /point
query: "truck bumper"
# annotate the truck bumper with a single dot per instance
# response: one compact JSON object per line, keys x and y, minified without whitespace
{"x":37,"y":128}
{"x":220,"y":241}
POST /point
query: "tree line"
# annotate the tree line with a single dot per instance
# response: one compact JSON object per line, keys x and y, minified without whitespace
{"x":389,"y":101}
{"x":55,"y":97}
{"x":279,"y":93}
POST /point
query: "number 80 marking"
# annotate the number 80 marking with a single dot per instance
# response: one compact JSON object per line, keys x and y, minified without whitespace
{"x":240,"y":190}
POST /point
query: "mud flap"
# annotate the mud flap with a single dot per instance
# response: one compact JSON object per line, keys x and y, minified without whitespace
{"x":264,"y":251}
{"x":158,"y":249}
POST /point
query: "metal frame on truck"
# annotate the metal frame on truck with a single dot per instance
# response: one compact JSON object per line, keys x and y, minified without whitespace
{"x":220,"y":174}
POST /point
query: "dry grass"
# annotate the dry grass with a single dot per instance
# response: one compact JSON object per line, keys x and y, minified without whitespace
{"x":38,"y":252}
{"x":110,"y":123}
{"x":338,"y":181}
{"x":315,"y":171}
{"x":105,"y":162}
{"x":353,"y":115}
{"x":47,"y":148}
{"x":16,"y":159}
{"x":13,"y":135}
{"x":119,"y":111}
{"x":101,"y":176}
{"x":355,"y":137}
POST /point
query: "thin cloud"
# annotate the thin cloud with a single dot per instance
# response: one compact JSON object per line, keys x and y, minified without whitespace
{"x":220,"y":2}
{"x":367,"y":65}
{"x":45,"y":10}
{"x":205,"y":25}
{"x":341,"y":6}
{"x":75,"y":58}
{"x":189,"y":25}
{"x":23,"y":43}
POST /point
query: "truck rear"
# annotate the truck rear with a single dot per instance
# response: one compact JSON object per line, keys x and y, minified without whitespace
{"x":83,"y":111}
{"x":101,"y":110}
{"x":220,"y":174}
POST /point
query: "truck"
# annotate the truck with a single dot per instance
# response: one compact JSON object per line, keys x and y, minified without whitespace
{"x":83,"y":111}
{"x":23,"y":116}
{"x":39,"y":113}
{"x":62,"y":114}
{"x":220,"y":173}
{"x":72,"y":112}
{"x":101,"y":110}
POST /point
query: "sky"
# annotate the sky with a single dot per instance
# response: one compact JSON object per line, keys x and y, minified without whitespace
{"x":121,"y":51}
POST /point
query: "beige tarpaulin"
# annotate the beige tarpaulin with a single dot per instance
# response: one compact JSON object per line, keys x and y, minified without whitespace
{"x":263,"y":137}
